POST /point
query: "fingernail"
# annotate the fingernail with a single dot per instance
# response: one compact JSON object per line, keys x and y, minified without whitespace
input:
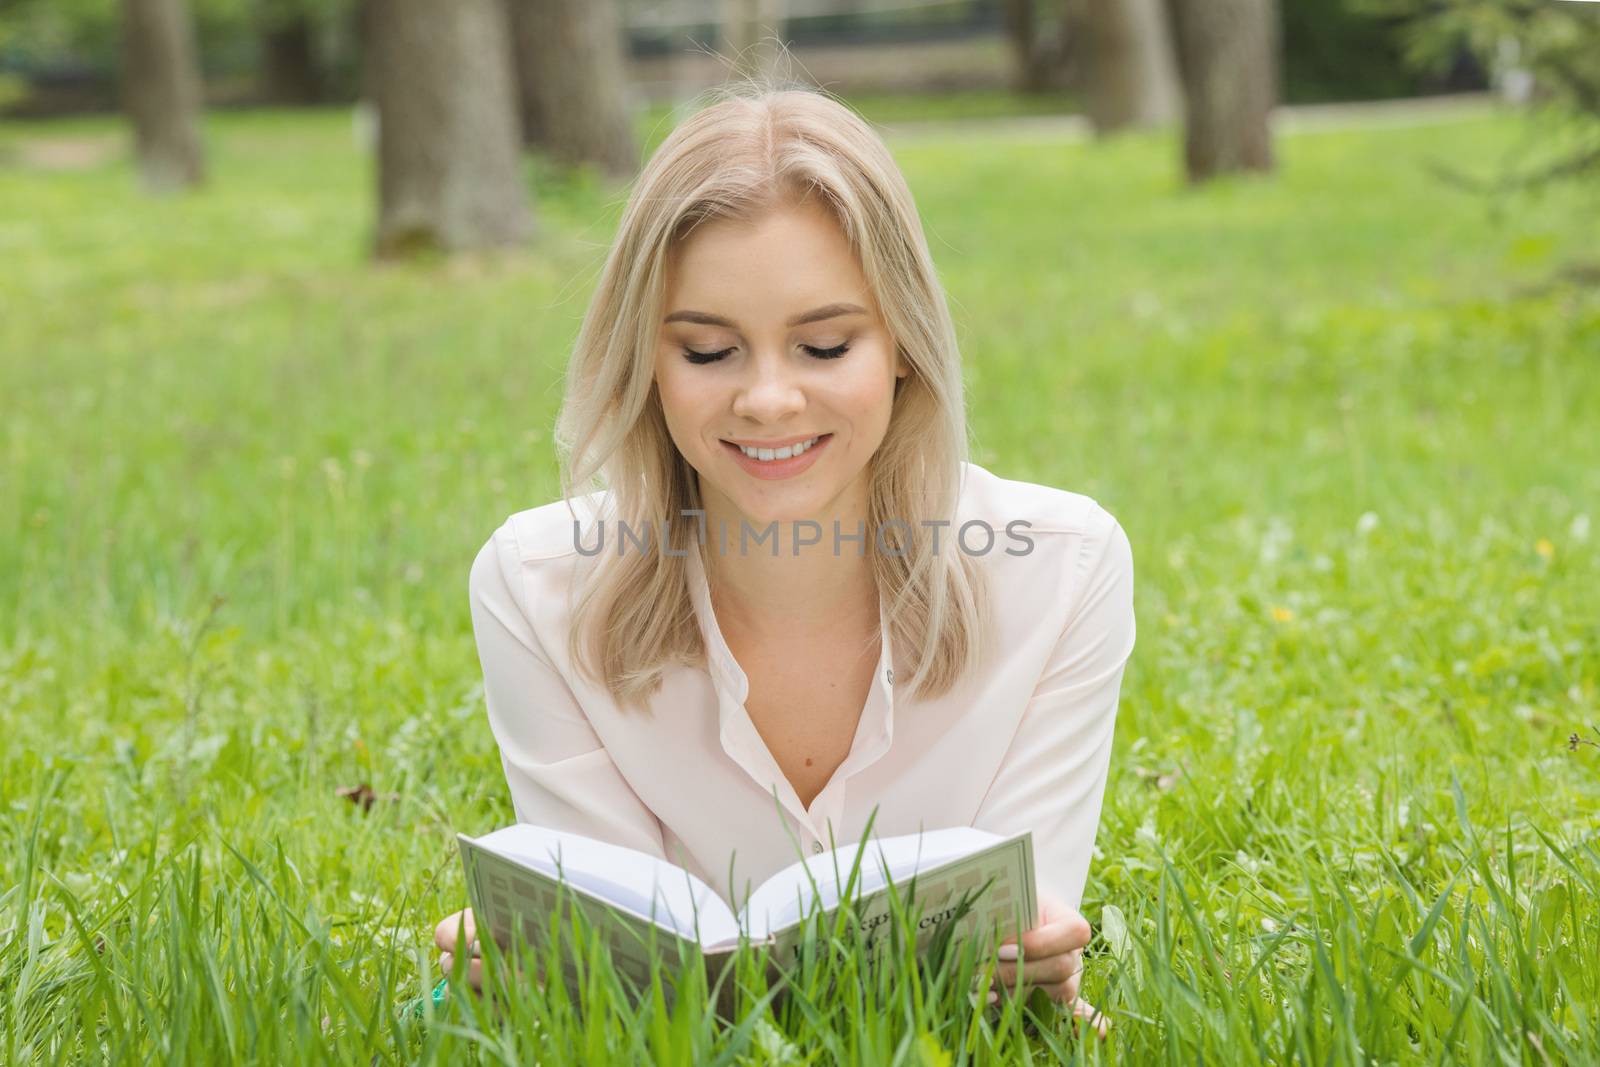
{"x":1008,"y":952}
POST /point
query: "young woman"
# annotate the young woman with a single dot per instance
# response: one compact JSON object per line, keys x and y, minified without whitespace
{"x":775,"y":595}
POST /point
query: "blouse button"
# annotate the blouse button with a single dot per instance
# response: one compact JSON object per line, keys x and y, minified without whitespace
{"x":816,"y":846}
{"x":888,"y":675}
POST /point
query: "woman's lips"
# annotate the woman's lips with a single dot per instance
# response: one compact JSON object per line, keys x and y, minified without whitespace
{"x":774,"y":469}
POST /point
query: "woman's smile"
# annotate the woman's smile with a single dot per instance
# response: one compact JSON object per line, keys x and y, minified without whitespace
{"x":784,"y":461}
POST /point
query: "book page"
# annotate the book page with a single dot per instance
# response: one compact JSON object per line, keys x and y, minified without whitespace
{"x":785,"y":898}
{"x":508,"y":898}
{"x":1008,"y":906}
{"x":644,"y":886}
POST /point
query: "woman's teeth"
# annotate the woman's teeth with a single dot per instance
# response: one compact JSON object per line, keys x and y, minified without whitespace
{"x":786,"y":452}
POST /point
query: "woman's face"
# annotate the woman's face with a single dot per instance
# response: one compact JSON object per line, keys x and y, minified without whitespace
{"x":794,"y":351}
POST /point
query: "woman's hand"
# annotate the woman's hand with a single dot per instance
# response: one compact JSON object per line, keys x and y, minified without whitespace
{"x":1052,"y":959}
{"x":445,"y":936}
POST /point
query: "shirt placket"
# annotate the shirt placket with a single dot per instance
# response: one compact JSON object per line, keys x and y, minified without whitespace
{"x":743,"y":742}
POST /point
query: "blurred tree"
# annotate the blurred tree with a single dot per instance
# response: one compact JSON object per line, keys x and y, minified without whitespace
{"x":1334,"y":50}
{"x":162,"y":93}
{"x":1130,"y":78}
{"x":1546,"y":52}
{"x":39,"y":32}
{"x":71,"y":51}
{"x":752,"y":31}
{"x":1228,"y":62}
{"x":291,"y":71}
{"x":573,"y":83}
{"x":1022,"y":28}
{"x":449,"y":172}
{"x":1046,"y":43}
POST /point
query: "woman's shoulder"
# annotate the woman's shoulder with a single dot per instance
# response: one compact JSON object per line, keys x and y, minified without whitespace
{"x":1072,"y":557}
{"x":527,"y":566}
{"x":549,"y":531}
{"x":1045,"y":509}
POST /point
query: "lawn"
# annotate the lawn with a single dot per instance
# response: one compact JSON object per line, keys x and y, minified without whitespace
{"x":1346,"y":415}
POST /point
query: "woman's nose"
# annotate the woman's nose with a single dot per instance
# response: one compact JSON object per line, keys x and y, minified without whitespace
{"x":770,"y":391}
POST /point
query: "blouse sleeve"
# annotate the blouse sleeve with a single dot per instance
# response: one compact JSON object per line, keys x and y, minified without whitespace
{"x":560,"y":774}
{"x":1052,"y":779}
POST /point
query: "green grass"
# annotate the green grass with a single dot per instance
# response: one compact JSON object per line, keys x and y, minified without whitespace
{"x":1347,"y":416}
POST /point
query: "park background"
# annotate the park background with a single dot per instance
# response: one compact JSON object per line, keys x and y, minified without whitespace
{"x":1305,"y":295}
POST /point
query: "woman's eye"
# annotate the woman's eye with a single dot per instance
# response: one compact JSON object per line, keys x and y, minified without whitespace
{"x":696,"y":356}
{"x":828,"y":353}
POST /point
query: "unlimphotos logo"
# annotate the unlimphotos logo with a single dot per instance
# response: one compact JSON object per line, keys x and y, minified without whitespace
{"x":892,"y":537}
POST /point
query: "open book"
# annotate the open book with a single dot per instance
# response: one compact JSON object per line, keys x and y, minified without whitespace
{"x":513,"y":875}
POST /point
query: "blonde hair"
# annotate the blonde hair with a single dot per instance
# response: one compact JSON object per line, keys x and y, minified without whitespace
{"x":754,"y":148}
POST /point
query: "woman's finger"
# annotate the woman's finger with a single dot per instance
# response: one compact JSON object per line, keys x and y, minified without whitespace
{"x":1063,"y":933}
{"x":1066,"y":932}
{"x":444,"y":935}
{"x":1082,"y":1009}
{"x":1063,"y":993}
{"x":474,"y":971}
{"x":1047,"y":971}
{"x":1069,"y":988}
{"x":1034,"y":972}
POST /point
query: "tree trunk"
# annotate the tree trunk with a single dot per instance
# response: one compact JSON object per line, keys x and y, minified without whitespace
{"x":1023,"y":32}
{"x":1045,"y":49}
{"x":533,"y":102}
{"x":449,"y":169}
{"x":752,"y":32}
{"x":289,"y":71}
{"x":162,"y":92}
{"x":573,"y":83}
{"x":1131,"y":77}
{"x":363,"y":16}
{"x":1228,"y":61}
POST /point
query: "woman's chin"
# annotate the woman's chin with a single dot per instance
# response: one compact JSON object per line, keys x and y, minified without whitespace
{"x":774,"y":506}
{"x":761,"y":516}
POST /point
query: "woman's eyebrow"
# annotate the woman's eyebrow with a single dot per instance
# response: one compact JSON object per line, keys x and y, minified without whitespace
{"x":827,"y":311}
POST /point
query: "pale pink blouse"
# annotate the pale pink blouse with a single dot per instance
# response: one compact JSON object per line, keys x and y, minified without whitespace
{"x":1022,"y":743}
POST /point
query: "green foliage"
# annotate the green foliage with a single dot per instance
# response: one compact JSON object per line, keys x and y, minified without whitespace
{"x":1556,"y":43}
{"x":1333,"y":51}
{"x":1345,"y":417}
{"x":1552,"y":38}
{"x":36,"y":34}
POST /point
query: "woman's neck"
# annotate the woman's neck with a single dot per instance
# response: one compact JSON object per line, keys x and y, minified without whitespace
{"x":767,"y":594}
